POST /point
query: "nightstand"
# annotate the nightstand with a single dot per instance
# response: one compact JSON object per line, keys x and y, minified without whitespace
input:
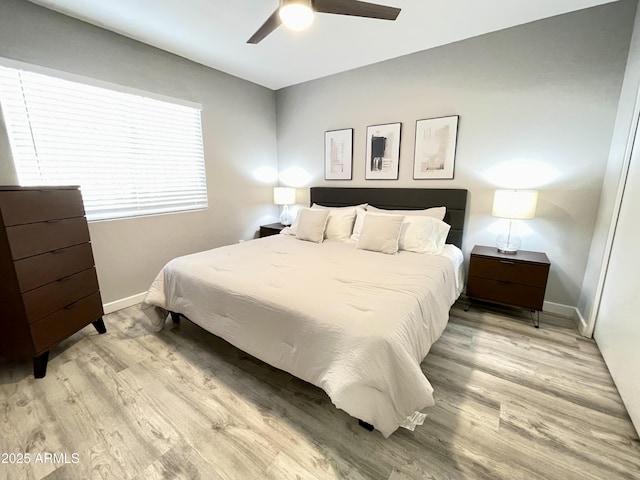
{"x":518,"y":280}
{"x":271,"y":229}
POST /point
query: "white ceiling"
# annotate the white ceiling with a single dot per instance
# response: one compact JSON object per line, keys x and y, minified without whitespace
{"x":214,"y":32}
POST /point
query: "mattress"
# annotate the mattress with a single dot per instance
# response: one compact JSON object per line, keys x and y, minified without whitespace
{"x":353,"y":322}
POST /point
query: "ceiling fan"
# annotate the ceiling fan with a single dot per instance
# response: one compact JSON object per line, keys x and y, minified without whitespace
{"x":298,"y":14}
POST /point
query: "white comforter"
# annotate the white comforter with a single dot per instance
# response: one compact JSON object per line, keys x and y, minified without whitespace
{"x":355,"y":323}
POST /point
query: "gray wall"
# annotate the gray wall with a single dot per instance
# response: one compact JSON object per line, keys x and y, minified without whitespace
{"x":238,"y":123}
{"x":544,"y":93}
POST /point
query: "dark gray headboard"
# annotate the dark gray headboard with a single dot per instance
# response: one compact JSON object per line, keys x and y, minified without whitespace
{"x":455,"y":199}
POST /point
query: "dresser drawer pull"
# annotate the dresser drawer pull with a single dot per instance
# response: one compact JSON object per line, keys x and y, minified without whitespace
{"x":71,"y":305}
{"x":58,"y":250}
{"x":53,"y":220}
{"x":507,"y":262}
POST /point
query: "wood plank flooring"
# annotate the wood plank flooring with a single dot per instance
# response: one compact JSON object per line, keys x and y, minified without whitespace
{"x":512,"y":402}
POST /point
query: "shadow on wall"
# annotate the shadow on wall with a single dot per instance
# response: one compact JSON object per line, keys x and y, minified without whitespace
{"x":522,"y":174}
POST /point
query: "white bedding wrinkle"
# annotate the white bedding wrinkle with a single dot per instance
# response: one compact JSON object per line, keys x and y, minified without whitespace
{"x":353,"y":322}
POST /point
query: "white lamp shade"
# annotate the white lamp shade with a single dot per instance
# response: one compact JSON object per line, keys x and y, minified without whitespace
{"x":296,"y":14}
{"x":516,"y":204}
{"x":284,"y":195}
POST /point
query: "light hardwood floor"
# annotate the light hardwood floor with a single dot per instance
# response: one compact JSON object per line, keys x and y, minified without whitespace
{"x":512,"y":402}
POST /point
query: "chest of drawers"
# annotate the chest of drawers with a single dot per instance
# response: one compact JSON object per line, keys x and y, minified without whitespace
{"x":49,"y":286}
{"x":518,"y":280}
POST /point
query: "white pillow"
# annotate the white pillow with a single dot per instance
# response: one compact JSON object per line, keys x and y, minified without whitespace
{"x":291,"y":230}
{"x":436,"y":212}
{"x":340,"y":222}
{"x":380,"y":233}
{"x":423,"y":234}
{"x":357,"y":225}
{"x":311,"y":224}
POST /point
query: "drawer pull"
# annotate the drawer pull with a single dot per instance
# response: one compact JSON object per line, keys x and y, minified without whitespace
{"x":71,"y":305}
{"x":58,"y":250}
{"x":54,"y":220}
{"x":507,"y":262}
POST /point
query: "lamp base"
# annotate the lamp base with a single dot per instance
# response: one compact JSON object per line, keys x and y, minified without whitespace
{"x":285,"y":217}
{"x":509,"y":242}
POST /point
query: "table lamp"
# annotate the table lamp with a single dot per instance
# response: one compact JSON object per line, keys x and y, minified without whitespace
{"x":284,"y":196}
{"x":514,"y":205}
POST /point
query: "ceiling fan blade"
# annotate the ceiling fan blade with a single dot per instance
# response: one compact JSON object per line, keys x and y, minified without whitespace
{"x":356,"y":9}
{"x":267,"y":27}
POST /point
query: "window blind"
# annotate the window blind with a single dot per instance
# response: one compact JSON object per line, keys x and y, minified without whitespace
{"x":131,"y":155}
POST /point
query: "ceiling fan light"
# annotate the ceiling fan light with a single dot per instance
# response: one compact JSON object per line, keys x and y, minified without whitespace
{"x":296,"y":15}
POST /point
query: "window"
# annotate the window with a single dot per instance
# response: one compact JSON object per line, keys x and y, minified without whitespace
{"x":131,"y":155}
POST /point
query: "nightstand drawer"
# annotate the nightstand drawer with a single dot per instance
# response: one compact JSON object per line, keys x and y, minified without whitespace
{"x":505,"y":292}
{"x":271,"y":229}
{"x":509,"y":271}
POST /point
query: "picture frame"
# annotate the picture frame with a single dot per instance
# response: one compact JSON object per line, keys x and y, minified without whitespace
{"x":383,"y":152}
{"x":435,"y":149}
{"x":338,"y":154}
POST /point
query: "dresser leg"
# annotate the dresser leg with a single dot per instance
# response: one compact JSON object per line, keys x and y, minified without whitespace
{"x":99,"y":326}
{"x":466,"y":309}
{"x":40,"y":365}
{"x":175,"y":317}
{"x":536,"y":320}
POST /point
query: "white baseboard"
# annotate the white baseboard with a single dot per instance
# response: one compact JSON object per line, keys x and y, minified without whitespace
{"x":566,"y":311}
{"x":123,"y":303}
{"x":560,"y":309}
{"x":582,"y":325}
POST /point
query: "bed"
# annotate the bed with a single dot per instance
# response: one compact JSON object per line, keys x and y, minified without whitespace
{"x":353,"y":322}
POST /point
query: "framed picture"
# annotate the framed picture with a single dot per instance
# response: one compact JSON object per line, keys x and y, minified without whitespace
{"x":383,"y":152}
{"x":435,"y":148}
{"x":338,"y":154}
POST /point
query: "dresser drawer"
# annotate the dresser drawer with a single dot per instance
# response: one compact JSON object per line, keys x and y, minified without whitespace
{"x":31,"y":206}
{"x":36,"y":238}
{"x":44,"y":300}
{"x":509,"y":271}
{"x":36,"y":271}
{"x":514,"y":294}
{"x":65,"y":322}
